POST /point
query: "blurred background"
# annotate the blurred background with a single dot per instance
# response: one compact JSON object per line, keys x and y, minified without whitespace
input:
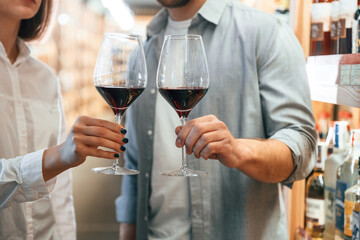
{"x":71,"y":49}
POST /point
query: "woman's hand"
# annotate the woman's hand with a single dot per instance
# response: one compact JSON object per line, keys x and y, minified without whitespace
{"x":84,"y":139}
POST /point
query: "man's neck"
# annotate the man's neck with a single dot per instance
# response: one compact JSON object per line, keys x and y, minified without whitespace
{"x":186,"y":12}
{"x":8,"y":35}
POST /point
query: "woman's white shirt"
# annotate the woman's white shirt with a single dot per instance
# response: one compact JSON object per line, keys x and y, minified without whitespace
{"x":31,"y":120}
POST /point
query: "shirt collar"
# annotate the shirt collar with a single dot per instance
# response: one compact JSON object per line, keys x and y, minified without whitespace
{"x":24,"y":51}
{"x":211,"y":11}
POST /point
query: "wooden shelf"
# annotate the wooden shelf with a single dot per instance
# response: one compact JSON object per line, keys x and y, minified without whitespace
{"x":335,"y":79}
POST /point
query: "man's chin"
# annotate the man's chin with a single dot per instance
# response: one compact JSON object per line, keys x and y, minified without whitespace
{"x":173,"y":3}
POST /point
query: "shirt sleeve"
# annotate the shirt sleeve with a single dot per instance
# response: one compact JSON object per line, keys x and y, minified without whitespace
{"x":285,"y":95}
{"x":21,"y":179}
{"x":126,"y":204}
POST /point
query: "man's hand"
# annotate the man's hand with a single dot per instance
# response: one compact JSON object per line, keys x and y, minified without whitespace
{"x":127,"y":231}
{"x":209,"y":138}
{"x":84,"y":139}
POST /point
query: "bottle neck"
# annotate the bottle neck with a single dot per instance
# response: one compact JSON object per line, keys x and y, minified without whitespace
{"x":358,"y":171}
{"x":321,"y":157}
{"x":355,"y":151}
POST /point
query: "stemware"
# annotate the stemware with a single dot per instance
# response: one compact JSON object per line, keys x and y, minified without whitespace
{"x":120,"y":77}
{"x":183,"y":79}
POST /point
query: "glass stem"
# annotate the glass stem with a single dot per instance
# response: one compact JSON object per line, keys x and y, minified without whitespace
{"x":183,"y":149}
{"x":118,"y":121}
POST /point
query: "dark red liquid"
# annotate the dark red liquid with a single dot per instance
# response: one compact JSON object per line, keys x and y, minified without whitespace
{"x":183,"y":99}
{"x":320,"y":47}
{"x":119,"y":98}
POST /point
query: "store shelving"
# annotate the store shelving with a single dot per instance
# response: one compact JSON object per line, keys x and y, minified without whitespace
{"x":335,"y":79}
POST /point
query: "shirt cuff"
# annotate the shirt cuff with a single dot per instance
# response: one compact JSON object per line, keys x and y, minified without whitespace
{"x":301,"y":154}
{"x":50,"y":184}
{"x":125,"y":210}
{"x":32,"y":177}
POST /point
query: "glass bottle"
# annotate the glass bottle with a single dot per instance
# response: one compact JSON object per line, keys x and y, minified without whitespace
{"x":315,"y":204}
{"x":320,"y":27}
{"x":334,"y":34}
{"x":352,"y":195}
{"x":340,"y":150}
{"x":356,"y":221}
{"x":356,"y":32}
{"x":347,"y":176}
{"x":346,"y":15}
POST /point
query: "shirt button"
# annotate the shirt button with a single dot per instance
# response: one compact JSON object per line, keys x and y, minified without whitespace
{"x":145,"y":218}
{"x":149,"y":132}
{"x":152,"y":91}
{"x":146,"y":175}
{"x":196,"y":214}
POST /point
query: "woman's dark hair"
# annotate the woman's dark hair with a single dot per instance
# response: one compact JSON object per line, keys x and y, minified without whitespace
{"x":35,"y":27}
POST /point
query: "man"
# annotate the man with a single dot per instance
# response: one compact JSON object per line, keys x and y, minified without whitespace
{"x":255,"y":121}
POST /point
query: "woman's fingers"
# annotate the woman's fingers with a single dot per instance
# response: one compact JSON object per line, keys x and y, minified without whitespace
{"x":88,"y":121}
{"x":100,"y":132}
{"x":96,"y":152}
{"x":98,"y":141}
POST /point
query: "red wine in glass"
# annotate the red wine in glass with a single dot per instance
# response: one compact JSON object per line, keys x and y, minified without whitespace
{"x":183,"y":99}
{"x":120,"y":76}
{"x":119,"y":98}
{"x":183,"y":79}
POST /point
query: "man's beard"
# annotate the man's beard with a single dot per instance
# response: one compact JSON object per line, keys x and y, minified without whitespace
{"x":173,"y":3}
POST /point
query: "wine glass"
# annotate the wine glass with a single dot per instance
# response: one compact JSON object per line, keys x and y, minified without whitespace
{"x":120,"y":77}
{"x":183,"y":79}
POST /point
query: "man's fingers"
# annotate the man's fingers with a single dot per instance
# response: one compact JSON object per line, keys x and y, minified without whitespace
{"x":178,"y":129}
{"x":197,"y":131}
{"x":206,"y":140}
{"x":185,"y":130}
{"x":213,"y":150}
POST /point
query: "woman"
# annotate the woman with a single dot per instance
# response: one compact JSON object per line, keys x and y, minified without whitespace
{"x":35,"y":187}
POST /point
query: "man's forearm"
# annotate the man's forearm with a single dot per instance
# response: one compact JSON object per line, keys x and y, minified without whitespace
{"x":266,"y":160}
{"x":127,"y":231}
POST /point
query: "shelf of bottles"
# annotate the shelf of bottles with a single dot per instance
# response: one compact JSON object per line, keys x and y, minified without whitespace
{"x":334,"y":63}
{"x":333,"y":189}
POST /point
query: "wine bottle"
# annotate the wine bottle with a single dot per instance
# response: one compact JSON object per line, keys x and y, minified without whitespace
{"x":356,"y":32}
{"x":334,"y":34}
{"x":346,"y":15}
{"x":320,"y":27}
{"x":352,"y":195}
{"x":315,"y":202}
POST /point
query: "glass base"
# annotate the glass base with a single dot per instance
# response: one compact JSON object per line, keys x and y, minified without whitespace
{"x":184,"y":172}
{"x":115,"y":171}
